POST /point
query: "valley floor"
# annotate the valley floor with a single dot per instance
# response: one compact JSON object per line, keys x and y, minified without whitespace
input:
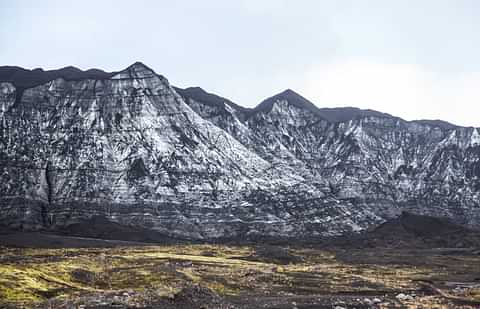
{"x":106,"y":274}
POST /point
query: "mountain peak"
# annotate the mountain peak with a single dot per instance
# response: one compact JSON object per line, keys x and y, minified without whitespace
{"x":291,"y":97}
{"x":71,"y":68}
{"x":139,"y":66}
{"x":136,"y":70}
{"x":336,"y":114}
{"x":289,"y":94}
{"x":436,"y":123}
{"x":289,"y":91}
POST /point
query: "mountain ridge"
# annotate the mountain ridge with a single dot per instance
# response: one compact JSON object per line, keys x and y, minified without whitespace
{"x":133,"y":149}
{"x":23,"y":79}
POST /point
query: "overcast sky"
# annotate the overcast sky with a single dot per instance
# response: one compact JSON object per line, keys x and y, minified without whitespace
{"x":414,"y":59}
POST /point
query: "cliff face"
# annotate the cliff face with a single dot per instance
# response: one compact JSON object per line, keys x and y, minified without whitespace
{"x":131,"y":147}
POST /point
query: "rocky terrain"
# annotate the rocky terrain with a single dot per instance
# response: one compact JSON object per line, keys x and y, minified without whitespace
{"x":130,"y":148}
{"x":411,"y":261}
{"x":94,"y":274}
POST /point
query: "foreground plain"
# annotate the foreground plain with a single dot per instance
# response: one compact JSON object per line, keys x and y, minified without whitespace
{"x":238,"y":276}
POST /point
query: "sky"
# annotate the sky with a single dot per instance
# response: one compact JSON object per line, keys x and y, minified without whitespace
{"x":414,"y":59}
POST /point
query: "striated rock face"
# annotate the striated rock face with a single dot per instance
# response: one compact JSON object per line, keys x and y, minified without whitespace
{"x":131,"y":147}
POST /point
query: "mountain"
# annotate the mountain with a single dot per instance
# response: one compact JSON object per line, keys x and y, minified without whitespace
{"x":129,"y":147}
{"x":339,"y":114}
{"x":23,"y":78}
{"x":293,"y":99}
{"x":209,"y":99}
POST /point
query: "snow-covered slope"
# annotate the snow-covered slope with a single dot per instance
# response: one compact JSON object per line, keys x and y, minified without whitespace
{"x":129,"y":146}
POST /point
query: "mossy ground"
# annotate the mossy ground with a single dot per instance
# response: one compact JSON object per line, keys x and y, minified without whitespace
{"x":30,"y":276}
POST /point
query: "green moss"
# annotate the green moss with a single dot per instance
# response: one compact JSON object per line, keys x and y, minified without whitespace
{"x":35,"y":275}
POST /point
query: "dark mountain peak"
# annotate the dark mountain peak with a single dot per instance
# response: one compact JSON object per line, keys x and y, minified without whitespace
{"x":289,"y":92}
{"x":195,"y":92}
{"x":139,"y":70}
{"x":22,"y":78}
{"x":291,"y":97}
{"x":139,"y":63}
{"x":333,"y":115}
{"x":337,"y":114}
{"x":70,"y":68}
{"x":200,"y":95}
{"x":437,"y":123}
{"x":196,"y":88}
{"x":72,"y":73}
{"x":139,"y":67}
{"x":343,"y":114}
{"x":97,"y":72}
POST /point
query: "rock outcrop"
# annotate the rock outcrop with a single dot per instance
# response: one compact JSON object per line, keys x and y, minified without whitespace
{"x":130,"y":147}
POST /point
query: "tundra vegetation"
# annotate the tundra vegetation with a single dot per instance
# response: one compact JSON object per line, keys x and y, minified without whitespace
{"x":241,"y":275}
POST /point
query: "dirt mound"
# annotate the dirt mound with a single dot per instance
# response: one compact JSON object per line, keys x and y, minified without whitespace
{"x":273,"y":254}
{"x":102,"y":228}
{"x":419,"y":226}
{"x":22,"y":239}
{"x":415,"y":231}
{"x":94,"y":232}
